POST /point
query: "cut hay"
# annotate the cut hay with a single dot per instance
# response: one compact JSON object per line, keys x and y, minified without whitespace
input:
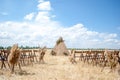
{"x":13,"y":57}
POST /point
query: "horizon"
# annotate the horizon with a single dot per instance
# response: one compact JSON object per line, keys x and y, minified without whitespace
{"x":81,"y":23}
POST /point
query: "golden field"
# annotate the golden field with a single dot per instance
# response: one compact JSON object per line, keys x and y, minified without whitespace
{"x":60,"y":68}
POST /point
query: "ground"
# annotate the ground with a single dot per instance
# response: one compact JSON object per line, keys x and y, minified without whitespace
{"x":59,"y":68}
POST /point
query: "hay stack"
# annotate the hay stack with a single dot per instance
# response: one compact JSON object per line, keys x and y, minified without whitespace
{"x":60,"y":48}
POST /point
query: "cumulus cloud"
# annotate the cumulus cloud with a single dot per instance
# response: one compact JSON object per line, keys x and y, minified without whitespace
{"x":29,"y":16}
{"x":6,"y":35}
{"x":40,"y":1}
{"x":44,"y":5}
{"x":75,"y":36}
{"x":45,"y":31}
{"x":42,"y":17}
{"x":108,"y":36}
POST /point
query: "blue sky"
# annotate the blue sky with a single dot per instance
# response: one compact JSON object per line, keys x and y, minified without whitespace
{"x":95,"y":14}
{"x":82,"y":23}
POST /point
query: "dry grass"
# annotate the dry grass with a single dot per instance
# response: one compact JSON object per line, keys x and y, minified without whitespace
{"x":59,"y":68}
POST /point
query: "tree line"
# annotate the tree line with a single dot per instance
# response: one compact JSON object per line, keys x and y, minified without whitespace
{"x":22,"y":47}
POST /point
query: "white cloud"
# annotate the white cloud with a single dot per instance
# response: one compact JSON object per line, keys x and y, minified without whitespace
{"x":29,"y":16}
{"x":44,"y":5}
{"x":45,"y":31}
{"x":108,"y":36}
{"x":42,"y":17}
{"x":46,"y":34}
{"x":6,"y":35}
{"x":40,"y":1}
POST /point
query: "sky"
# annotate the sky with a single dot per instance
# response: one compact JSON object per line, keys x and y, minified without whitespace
{"x":81,"y":23}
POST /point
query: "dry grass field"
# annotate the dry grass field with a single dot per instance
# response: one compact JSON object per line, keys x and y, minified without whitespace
{"x":59,"y":68}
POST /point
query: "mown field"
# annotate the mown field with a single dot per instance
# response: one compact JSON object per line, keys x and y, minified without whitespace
{"x":60,"y":68}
